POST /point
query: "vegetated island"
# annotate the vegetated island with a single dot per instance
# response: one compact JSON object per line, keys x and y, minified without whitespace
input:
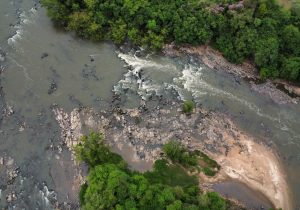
{"x":138,"y":135}
{"x":263,"y":31}
{"x":170,"y":185}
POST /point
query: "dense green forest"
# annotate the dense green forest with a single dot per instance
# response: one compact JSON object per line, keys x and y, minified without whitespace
{"x":112,"y":185}
{"x":259,"y":30}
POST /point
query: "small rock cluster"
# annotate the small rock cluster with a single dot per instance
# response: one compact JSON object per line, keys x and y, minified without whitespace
{"x":9,"y":172}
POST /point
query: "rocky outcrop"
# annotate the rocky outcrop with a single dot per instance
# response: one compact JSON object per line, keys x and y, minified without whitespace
{"x":145,"y":131}
{"x":214,"y":60}
{"x":247,"y":70}
{"x":270,"y":90}
{"x":289,"y":87}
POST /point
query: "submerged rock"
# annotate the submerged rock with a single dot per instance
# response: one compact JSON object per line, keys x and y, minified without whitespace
{"x":44,"y":55}
{"x":2,"y":55}
{"x":8,"y":111}
{"x":52,"y":88}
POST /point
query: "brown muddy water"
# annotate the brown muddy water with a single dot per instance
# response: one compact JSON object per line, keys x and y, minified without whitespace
{"x":43,"y":66}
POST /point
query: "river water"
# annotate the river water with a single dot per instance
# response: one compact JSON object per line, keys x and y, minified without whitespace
{"x":44,"y":66}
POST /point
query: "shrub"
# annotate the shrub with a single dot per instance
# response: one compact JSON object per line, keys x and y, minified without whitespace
{"x":93,"y":151}
{"x":178,"y":154}
{"x":188,"y":107}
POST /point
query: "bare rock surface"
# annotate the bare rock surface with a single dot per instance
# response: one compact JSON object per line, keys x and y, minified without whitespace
{"x":270,"y":90}
{"x":144,"y":132}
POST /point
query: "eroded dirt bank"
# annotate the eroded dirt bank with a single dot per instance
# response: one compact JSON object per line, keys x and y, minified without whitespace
{"x":145,"y":131}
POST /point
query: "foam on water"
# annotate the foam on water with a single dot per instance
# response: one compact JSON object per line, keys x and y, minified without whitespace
{"x":189,"y":80}
{"x":45,"y":193}
{"x":135,"y":81}
{"x":25,"y":18}
{"x":178,"y":90}
{"x":139,"y":63}
{"x":192,"y":80}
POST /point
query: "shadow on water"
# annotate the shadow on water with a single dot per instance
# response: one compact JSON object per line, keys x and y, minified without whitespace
{"x":241,"y":193}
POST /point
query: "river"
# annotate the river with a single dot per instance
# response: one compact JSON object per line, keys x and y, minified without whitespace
{"x":43,"y":66}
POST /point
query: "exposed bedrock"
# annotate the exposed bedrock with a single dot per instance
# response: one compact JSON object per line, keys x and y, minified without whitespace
{"x":240,"y":156}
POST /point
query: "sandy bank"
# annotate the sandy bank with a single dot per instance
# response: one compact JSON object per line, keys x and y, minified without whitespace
{"x":260,"y":170}
{"x":250,"y":163}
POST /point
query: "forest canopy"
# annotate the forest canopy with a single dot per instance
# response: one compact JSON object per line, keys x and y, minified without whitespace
{"x":112,"y":185}
{"x":259,"y":30}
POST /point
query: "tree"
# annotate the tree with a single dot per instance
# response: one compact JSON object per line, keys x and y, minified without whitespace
{"x":291,"y":68}
{"x":261,"y":30}
{"x":111,"y":185}
{"x":173,"y":150}
{"x":93,"y":151}
{"x":57,"y":11}
{"x":118,"y":31}
{"x":151,"y":25}
{"x":266,"y":53}
{"x":291,"y":40}
{"x":107,"y":187}
{"x":268,"y":72}
{"x":176,"y":205}
{"x":212,"y":201}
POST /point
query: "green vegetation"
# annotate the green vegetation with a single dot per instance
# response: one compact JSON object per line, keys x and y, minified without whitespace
{"x":190,"y":160}
{"x":188,"y":107}
{"x":170,"y":174}
{"x":111,"y":185}
{"x":93,"y":151}
{"x":260,"y":30}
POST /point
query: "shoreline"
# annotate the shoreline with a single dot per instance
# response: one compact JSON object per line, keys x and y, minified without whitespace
{"x":279,"y":90}
{"x":256,"y":166}
{"x":210,"y":132}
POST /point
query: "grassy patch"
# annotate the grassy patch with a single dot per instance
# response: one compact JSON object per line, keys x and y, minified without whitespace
{"x":170,"y":174}
{"x":191,"y":160}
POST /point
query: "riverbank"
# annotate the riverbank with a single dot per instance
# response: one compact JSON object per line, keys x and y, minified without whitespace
{"x":250,"y":163}
{"x":145,"y":130}
{"x":280,"y":91}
